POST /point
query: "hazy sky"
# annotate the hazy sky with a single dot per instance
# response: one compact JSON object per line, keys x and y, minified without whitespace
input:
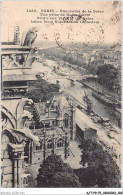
{"x":107,"y":31}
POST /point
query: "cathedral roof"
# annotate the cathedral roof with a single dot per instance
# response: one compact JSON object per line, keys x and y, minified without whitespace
{"x":83,"y":121}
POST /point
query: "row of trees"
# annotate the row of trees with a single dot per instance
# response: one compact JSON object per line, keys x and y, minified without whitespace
{"x":108,"y":75}
{"x":41,"y":90}
{"x":101,"y":170}
{"x":73,"y":58}
{"x":55,"y":173}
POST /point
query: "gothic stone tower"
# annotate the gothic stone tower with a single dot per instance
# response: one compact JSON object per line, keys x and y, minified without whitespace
{"x":66,"y":116}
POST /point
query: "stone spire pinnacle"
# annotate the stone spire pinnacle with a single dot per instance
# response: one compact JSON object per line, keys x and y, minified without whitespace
{"x":16,"y":40}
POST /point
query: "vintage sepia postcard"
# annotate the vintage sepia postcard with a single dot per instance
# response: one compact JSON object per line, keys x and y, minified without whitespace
{"x":61,"y":97}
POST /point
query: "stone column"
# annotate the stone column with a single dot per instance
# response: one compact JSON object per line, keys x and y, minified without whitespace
{"x":15,"y":153}
{"x":31,"y":150}
{"x":60,"y":119}
{"x":28,"y":152}
{"x":15,"y":171}
{"x":66,"y":145}
{"x":50,"y":123}
{"x":73,"y":124}
{"x":18,"y":170}
{"x":48,"y":112}
{"x":44,"y":131}
{"x":53,"y":144}
{"x":69,"y":122}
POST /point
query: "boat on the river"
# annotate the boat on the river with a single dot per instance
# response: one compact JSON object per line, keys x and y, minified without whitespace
{"x":117,"y":114}
{"x":107,"y":100}
{"x":88,"y":102}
